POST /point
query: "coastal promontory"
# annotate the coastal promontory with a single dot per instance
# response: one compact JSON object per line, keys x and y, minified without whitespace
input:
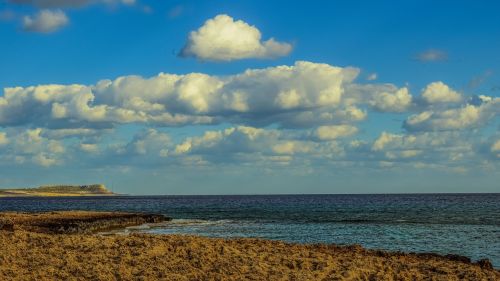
{"x":58,"y":190}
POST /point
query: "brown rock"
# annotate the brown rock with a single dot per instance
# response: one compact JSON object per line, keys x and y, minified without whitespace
{"x":485,"y":263}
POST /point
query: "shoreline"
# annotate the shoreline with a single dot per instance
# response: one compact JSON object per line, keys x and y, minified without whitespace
{"x":74,"y":222}
{"x":59,"y":245}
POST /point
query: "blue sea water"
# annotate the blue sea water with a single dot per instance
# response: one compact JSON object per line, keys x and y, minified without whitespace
{"x":464,"y":224}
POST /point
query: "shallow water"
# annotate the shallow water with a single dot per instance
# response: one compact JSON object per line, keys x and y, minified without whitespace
{"x":464,"y":224}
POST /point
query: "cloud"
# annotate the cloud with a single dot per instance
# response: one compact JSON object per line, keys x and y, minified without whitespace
{"x":384,"y":139}
{"x":466,"y":117}
{"x":150,"y":141}
{"x":50,"y":16}
{"x":479,"y":80}
{"x":372,"y":76}
{"x":52,"y":4}
{"x":251,"y":147}
{"x":79,"y":133}
{"x":303,"y":95}
{"x":438,"y":92}
{"x":495,"y":149}
{"x":335,"y":132}
{"x":239,"y":139}
{"x":302,"y":115}
{"x":223,"y":39}
{"x":128,"y":2}
{"x":495,"y":146}
{"x":245,"y":144}
{"x":398,"y":101}
{"x":45,"y":21}
{"x":447,"y":151}
{"x":30,"y":146}
{"x":89,"y":147}
{"x":3,"y":139}
{"x":432,"y":55}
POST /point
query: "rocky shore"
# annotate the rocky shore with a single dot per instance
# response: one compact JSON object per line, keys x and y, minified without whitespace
{"x":65,"y":246}
{"x":74,"y":222}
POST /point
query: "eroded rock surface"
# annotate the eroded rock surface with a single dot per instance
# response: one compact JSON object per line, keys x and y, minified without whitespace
{"x":71,"y":222}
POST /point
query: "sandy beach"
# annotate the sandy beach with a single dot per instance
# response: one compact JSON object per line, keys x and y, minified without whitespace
{"x":67,"y":246}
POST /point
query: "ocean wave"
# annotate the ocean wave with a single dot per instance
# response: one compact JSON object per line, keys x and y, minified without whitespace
{"x":194,"y":222}
{"x":174,"y":223}
{"x":178,"y":223}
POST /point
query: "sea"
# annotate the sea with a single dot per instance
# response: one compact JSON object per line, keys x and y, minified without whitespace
{"x":463,"y":224}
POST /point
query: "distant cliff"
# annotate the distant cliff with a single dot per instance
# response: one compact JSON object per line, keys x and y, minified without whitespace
{"x":59,"y":190}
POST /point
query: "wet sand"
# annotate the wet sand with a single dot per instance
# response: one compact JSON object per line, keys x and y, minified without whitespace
{"x":33,"y":248}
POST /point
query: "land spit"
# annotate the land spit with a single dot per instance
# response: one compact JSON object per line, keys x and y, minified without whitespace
{"x":58,"y":191}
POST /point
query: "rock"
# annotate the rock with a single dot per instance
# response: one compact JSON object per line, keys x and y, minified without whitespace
{"x":71,"y":222}
{"x":6,"y":225}
{"x":485,"y":264}
{"x":458,"y":258}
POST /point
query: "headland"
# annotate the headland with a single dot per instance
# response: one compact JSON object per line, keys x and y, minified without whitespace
{"x":58,"y":190}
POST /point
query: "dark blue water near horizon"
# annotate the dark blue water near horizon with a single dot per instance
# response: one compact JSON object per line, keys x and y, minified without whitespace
{"x":464,"y":224}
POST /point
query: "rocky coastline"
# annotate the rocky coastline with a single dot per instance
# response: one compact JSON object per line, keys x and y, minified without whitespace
{"x":67,"y":246}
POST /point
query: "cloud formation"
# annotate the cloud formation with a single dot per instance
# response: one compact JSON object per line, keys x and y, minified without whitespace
{"x":50,"y":17}
{"x":335,"y":132}
{"x":495,"y":149}
{"x":303,"y":95}
{"x":44,"y":4}
{"x":30,"y":146}
{"x":444,"y":150}
{"x":45,"y":21}
{"x":438,"y":92}
{"x":224,"y":39}
{"x":306,"y":115}
{"x":398,"y":101}
{"x":468,"y":116}
{"x":432,"y":55}
{"x":372,"y":76}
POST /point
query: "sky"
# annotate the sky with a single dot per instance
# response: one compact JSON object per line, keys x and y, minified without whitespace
{"x":251,"y":97}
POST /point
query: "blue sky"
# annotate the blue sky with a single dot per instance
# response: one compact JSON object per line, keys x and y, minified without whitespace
{"x":374,"y":97}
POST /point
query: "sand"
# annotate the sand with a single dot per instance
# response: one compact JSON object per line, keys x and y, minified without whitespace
{"x":40,"y":255}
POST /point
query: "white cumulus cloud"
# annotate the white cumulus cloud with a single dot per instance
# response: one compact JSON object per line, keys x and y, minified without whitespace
{"x":396,"y":101}
{"x":468,"y":116}
{"x":302,"y":95}
{"x":438,"y":92}
{"x":224,"y":39}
